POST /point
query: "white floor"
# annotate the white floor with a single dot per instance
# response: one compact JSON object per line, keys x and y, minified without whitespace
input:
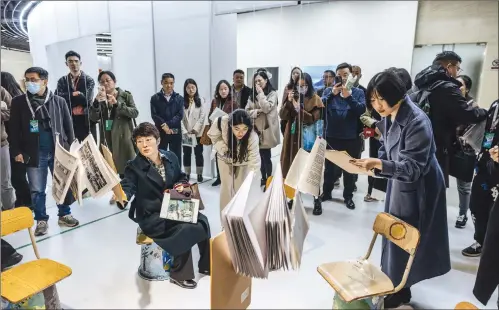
{"x":104,"y":258}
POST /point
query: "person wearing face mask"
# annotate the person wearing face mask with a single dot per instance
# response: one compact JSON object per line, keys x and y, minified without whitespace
{"x":114,"y":109}
{"x":224,"y":101}
{"x":236,"y":145}
{"x":262,"y":108}
{"x":193,"y":123}
{"x":35,"y":121}
{"x":446,"y":104}
{"x":77,"y":88}
{"x":344,"y":107}
{"x":416,"y":186}
{"x":291,"y":87}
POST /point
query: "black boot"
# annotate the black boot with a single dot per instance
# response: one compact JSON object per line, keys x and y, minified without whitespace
{"x":216,"y":183}
{"x":398,"y":299}
{"x":200,"y":178}
{"x":12,"y":260}
{"x":317,"y":206}
{"x":290,"y":204}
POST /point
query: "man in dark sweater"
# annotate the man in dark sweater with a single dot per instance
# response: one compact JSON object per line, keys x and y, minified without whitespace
{"x":167,"y":111}
{"x":35,"y":121}
{"x":240,"y":92}
{"x":343,"y":110}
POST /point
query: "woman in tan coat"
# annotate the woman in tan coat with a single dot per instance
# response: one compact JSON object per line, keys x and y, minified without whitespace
{"x":236,"y":146}
{"x":301,"y":108}
{"x":262,"y":108}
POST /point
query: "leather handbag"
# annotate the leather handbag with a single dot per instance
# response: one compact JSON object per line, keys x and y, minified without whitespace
{"x":205,"y":140}
{"x":189,"y":191}
{"x":195,"y":194}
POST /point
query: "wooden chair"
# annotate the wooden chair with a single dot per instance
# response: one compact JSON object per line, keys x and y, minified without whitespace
{"x":290,"y":192}
{"x":355,"y":280}
{"x":464,"y":305}
{"x":28,"y":279}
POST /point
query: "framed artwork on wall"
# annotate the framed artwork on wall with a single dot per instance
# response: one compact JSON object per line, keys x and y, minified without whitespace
{"x":273,"y":73}
{"x":316,"y":73}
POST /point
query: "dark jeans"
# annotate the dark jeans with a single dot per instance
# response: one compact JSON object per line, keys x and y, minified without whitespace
{"x":7,"y":250}
{"x":172,"y":143}
{"x":20,"y":183}
{"x":481,"y":203}
{"x":266,"y":163}
{"x":198,"y":153}
{"x":38,"y":184}
{"x":333,"y":172}
{"x":216,"y":164}
{"x":182,"y":268}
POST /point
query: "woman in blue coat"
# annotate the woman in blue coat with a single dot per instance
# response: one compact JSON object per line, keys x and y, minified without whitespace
{"x":416,"y":186}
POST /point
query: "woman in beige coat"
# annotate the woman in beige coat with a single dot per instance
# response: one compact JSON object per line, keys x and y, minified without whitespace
{"x":193,"y":124}
{"x":262,"y":108}
{"x":236,"y":146}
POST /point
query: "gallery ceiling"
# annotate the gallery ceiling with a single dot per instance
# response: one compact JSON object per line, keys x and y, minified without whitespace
{"x":14,"y":16}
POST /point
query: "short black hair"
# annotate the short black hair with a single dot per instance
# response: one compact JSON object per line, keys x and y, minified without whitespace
{"x":386,"y":85}
{"x":71,"y":54}
{"x":467,"y":81}
{"x":145,"y":129}
{"x":167,"y":76}
{"x":447,"y":57}
{"x":42,"y":73}
{"x":330,"y":71}
{"x":344,"y":65}
{"x":404,"y":75}
{"x":238,"y":71}
{"x":111,"y":75}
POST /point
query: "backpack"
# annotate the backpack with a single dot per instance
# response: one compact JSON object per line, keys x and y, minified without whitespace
{"x":420,"y":96}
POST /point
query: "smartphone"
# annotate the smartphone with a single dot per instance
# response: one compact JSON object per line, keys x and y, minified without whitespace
{"x":338,"y":79}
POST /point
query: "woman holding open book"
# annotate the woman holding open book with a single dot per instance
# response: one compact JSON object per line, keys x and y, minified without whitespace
{"x":236,"y":146}
{"x":416,"y":186}
{"x":147,"y":177}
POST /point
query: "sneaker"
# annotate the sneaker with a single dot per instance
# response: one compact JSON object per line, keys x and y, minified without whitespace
{"x":461,"y":221}
{"x":68,"y":220}
{"x":216,"y":183}
{"x":350,"y":204}
{"x":317,"y":207}
{"x":369,"y":198}
{"x":188,"y":284}
{"x":473,"y":250}
{"x":41,"y":228}
{"x":200,"y":178}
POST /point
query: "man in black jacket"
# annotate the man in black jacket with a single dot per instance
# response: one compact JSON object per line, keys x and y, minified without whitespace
{"x":77,"y":89}
{"x":448,"y":107}
{"x":35,"y":121}
{"x":167,"y":111}
{"x":240,"y":92}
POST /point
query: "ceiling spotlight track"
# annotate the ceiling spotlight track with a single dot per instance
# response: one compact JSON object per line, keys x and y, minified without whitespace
{"x":18,"y":32}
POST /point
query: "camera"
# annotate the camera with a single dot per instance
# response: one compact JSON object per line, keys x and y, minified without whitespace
{"x":293,"y":88}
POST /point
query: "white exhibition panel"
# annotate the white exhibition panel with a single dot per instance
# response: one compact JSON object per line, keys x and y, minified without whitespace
{"x":133,"y":56}
{"x":321,"y":34}
{"x":227,"y":7}
{"x":93,"y":17}
{"x":67,"y":25}
{"x":42,"y":31}
{"x":56,"y":66}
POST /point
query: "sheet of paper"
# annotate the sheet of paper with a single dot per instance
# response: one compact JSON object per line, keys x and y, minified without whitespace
{"x":296,"y":169}
{"x":299,"y":231}
{"x":342,"y":160}
{"x":310,"y":180}
{"x":216,"y":114}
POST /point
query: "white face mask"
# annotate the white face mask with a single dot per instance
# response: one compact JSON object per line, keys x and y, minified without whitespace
{"x":303,"y":90}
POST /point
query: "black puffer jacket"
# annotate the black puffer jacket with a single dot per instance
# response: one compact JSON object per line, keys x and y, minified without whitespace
{"x":448,"y":110}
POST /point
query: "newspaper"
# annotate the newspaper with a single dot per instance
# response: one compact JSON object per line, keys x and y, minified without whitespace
{"x":189,"y":140}
{"x":306,"y":171}
{"x":83,"y":167}
{"x":216,"y":114}
{"x":181,"y":210}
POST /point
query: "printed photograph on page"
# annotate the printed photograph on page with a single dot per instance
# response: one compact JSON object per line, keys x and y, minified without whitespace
{"x":189,"y":140}
{"x":180,"y":210}
{"x":94,"y":175}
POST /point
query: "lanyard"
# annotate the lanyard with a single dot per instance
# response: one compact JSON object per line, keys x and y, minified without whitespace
{"x":38,"y":108}
{"x":75,"y":81}
{"x":494,"y":118}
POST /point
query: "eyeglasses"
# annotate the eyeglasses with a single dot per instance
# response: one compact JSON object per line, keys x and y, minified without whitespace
{"x":25,"y":80}
{"x":105,"y":81}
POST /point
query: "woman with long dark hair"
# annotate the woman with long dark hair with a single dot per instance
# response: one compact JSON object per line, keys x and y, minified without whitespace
{"x":301,"y":110}
{"x":236,"y":145}
{"x":223,"y":100}
{"x":18,"y":170}
{"x":193,"y":124}
{"x":292,"y":85}
{"x":262,"y":108}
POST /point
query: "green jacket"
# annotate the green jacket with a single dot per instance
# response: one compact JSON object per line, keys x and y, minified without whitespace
{"x":116,"y":126}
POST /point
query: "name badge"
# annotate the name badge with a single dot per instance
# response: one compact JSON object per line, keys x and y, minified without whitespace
{"x":33,"y":126}
{"x":109,"y":124}
{"x":487,"y":140}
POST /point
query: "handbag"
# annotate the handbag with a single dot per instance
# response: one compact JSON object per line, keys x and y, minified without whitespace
{"x":462,"y":165}
{"x":205,"y":140}
{"x":189,"y":191}
{"x":197,"y":195}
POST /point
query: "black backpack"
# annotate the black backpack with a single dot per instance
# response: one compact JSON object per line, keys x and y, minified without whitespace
{"x":420,"y":96}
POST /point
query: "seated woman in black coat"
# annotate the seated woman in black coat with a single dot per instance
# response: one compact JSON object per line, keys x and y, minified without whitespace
{"x":147,"y":177}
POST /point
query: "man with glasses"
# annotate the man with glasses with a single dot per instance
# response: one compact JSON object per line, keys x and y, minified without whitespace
{"x":328,"y":80}
{"x":448,"y":107}
{"x":77,"y":89}
{"x":35,"y":121}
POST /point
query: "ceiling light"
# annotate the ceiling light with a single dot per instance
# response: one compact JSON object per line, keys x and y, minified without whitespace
{"x":3,"y":30}
{"x":23,"y":12}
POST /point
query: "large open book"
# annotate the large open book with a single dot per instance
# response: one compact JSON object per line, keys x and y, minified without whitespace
{"x":260,"y":235}
{"x":83,"y":167}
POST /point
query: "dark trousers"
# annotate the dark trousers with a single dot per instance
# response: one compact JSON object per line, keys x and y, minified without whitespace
{"x":198,"y":153}
{"x":7,"y":250}
{"x":172,"y":143}
{"x":20,"y":183}
{"x":333,"y":172}
{"x":370,"y":182}
{"x":266,"y":163}
{"x":481,"y":203}
{"x":216,"y":164}
{"x":182,"y":268}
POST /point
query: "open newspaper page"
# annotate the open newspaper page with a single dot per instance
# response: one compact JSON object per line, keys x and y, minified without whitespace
{"x":98,"y":176}
{"x":180,"y":210}
{"x":65,"y":165}
{"x":118,"y":192}
{"x":78,"y":182}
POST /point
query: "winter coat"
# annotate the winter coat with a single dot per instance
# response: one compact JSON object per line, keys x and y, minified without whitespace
{"x":218,"y":137}
{"x":144,"y":182}
{"x":119,"y":138}
{"x":448,"y":110}
{"x":264,"y":112}
{"x":310,"y":113}
{"x":167,"y":112}
{"x":5,"y":114}
{"x":194,"y":118}
{"x":415,"y":194}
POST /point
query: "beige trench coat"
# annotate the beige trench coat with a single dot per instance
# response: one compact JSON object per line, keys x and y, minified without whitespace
{"x":263,"y":110}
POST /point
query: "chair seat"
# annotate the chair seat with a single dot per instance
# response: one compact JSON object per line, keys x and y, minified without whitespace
{"x":142,"y":238}
{"x":28,"y":279}
{"x":354,"y":280}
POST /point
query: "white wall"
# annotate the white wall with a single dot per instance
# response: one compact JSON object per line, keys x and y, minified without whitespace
{"x":448,"y":22}
{"x":15,"y":62}
{"x":105,"y":63}
{"x":329,"y":33}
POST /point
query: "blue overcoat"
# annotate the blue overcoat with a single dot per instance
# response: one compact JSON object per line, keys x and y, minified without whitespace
{"x":415,"y":194}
